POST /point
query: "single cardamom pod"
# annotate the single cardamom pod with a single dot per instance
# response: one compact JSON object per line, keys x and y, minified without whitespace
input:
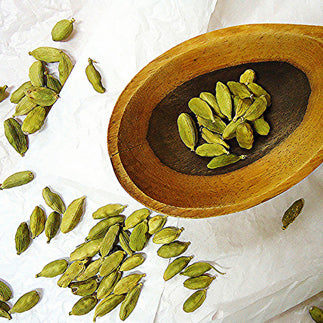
{"x":201,"y":109}
{"x":198,"y":282}
{"x":53,"y":269}
{"x":15,"y":136}
{"x":292,"y":213}
{"x":25,"y":302}
{"x":211,"y":100}
{"x":107,"y":284}
{"x":224,"y":160}
{"x":258,"y":91}
{"x":46,"y":54}
{"x":239,"y":89}
{"x":36,"y":74}
{"x":194,"y":301}
{"x":53,"y":83}
{"x":210,"y":150}
{"x":124,"y":238}
{"x":111,"y":263}
{"x":217,"y":126}
{"x":244,"y":135}
{"x":187,"y":130}
{"x":107,"y":305}
{"x":52,"y":225}
{"x":37,"y":221}
{"x":86,"y":250}
{"x":156,"y":223}
{"x":5,"y":292}
{"x":42,"y":96}
{"x":235,"y":100}
{"x":65,"y":67}
{"x":4,"y":309}
{"x":242,"y":107}
{"x":72,"y":215}
{"x":125,"y":284}
{"x":17,"y":95}
{"x":24,"y":106}
{"x":17,"y":179}
{"x":108,"y":211}
{"x":213,"y":138}
{"x":53,"y":200}
{"x":261,"y":126}
{"x":248,"y":76}
{"x":316,"y":314}
{"x":173,"y":249}
{"x":84,"y":305}
{"x":223,"y":97}
{"x":22,"y":238}
{"x":74,"y":270}
{"x":109,"y":240}
{"x":62,"y":29}
{"x":139,"y":236}
{"x":84,"y":288}
{"x":91,"y":270}
{"x":132,"y":262}
{"x":167,"y":235}
{"x":34,"y":120}
{"x":130,"y":302}
{"x":198,"y":269}
{"x":176,"y":267}
{"x":102,"y":227}
{"x":3,"y":93}
{"x":256,"y":109}
{"x":230,"y":130}
{"x":136,"y":217}
{"x":94,"y":76}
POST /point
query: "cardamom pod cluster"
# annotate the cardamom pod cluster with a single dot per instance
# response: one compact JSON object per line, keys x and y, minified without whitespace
{"x":241,"y":103}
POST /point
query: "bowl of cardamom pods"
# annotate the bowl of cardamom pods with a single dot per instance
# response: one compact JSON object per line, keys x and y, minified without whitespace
{"x":223,"y":121}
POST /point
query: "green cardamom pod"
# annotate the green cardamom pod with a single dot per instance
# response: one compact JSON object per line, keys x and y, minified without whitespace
{"x":125,"y":284}
{"x":213,"y":138}
{"x":211,"y":100}
{"x":139,"y":236}
{"x":17,"y":95}
{"x":258,"y":91}
{"x":167,"y":235}
{"x":34,"y":120}
{"x":198,"y":269}
{"x":17,"y":179}
{"x":5,"y":292}
{"x":248,"y":76}
{"x":130,"y":302}
{"x":53,"y":269}
{"x":223,"y":97}
{"x":65,"y":67}
{"x":132,"y":262}
{"x":261,"y":126}
{"x":22,"y":238}
{"x":37,"y":221}
{"x":230,"y":130}
{"x":124,"y":239}
{"x":53,"y":83}
{"x":36,"y":74}
{"x":107,"y":305}
{"x":217,"y":126}
{"x":194,"y":301}
{"x":3,"y":93}
{"x":156,"y":223}
{"x":239,"y":89}
{"x":109,"y":210}
{"x":72,"y":215}
{"x":62,"y":29}
{"x":111,"y":263}
{"x":84,"y":288}
{"x":86,"y":250}
{"x":24,"y":106}
{"x":52,"y":225}
{"x":46,"y":54}
{"x":292,"y":213}
{"x":198,"y":282}
{"x":25,"y":302}
{"x":72,"y":272}
{"x":42,"y":96}
{"x":15,"y":136}
{"x":244,"y":135}
{"x":242,"y":107}
{"x":91,"y":270}
{"x":210,"y":150}
{"x":136,"y":217}
{"x":4,"y":309}
{"x":316,"y":314}
{"x":201,"y":109}
{"x":256,"y":109}
{"x":107,"y":284}
{"x":53,"y":200}
{"x":109,"y":240}
{"x":224,"y":160}
{"x":173,"y":249}
{"x":94,"y":76}
{"x":176,"y":266}
{"x":187,"y":130}
{"x":84,"y":305}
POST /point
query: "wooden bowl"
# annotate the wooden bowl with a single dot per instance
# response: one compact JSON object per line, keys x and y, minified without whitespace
{"x":155,"y":167}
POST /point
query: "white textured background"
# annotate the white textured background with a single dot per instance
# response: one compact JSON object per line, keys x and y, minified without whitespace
{"x":268,"y":270}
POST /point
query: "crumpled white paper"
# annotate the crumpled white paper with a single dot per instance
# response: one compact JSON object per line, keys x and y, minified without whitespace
{"x":268,"y":270}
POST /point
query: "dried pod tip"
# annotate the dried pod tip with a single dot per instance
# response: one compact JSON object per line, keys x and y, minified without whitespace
{"x":72,"y":20}
{"x":70,"y":313}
